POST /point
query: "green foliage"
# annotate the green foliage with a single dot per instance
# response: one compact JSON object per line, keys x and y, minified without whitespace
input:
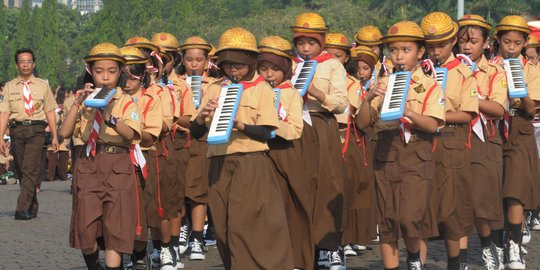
{"x":61,"y":37}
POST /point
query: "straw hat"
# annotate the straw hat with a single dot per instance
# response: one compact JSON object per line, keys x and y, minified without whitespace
{"x":404,"y":31}
{"x":167,"y":42}
{"x":237,"y":38}
{"x":133,"y":55}
{"x":142,"y":43}
{"x":363,"y":50}
{"x":195,"y":42}
{"x":276,"y":45}
{"x":368,"y":35}
{"x":337,"y":40}
{"x":212,"y":53}
{"x":513,"y":23}
{"x":309,"y":23}
{"x":533,"y":42}
{"x":438,"y":26}
{"x":105,"y":51}
{"x":474,"y":20}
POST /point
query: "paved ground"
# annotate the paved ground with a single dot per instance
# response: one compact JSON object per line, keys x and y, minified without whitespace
{"x":42,"y":243}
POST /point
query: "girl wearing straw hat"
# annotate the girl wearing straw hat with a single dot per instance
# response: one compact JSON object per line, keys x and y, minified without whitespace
{"x":105,"y":177}
{"x":251,"y":225}
{"x":370,"y":36}
{"x":404,"y":164}
{"x":533,"y":50}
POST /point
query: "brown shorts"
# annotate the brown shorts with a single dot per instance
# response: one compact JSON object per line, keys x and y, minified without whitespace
{"x":105,"y":202}
{"x":520,"y":163}
{"x":148,"y":199}
{"x":197,"y":172}
{"x":486,"y":163}
{"x":402,"y":176}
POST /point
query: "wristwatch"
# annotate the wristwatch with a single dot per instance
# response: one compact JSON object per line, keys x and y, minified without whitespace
{"x":113,"y":121}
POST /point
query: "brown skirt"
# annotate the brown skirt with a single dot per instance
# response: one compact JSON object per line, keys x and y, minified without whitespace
{"x":520,"y":163}
{"x":148,"y":197}
{"x":197,"y":172}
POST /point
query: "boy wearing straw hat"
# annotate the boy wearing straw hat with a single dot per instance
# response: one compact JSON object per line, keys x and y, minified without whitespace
{"x":404,"y":164}
{"x":105,"y":181}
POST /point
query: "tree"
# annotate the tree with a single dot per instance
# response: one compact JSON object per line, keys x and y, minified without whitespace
{"x":23,"y":38}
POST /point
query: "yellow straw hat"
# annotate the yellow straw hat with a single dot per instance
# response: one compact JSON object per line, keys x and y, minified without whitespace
{"x":105,"y":51}
{"x":195,"y":42}
{"x":474,"y":20}
{"x":533,"y":42}
{"x":404,"y":31}
{"x":513,"y":23}
{"x":212,"y":53}
{"x":167,"y":42}
{"x":309,"y":23}
{"x":276,"y":45}
{"x":438,"y":26}
{"x":368,"y":35}
{"x":363,"y":50}
{"x":337,"y":40}
{"x":133,"y":55}
{"x":141,"y":42}
{"x":237,"y":38}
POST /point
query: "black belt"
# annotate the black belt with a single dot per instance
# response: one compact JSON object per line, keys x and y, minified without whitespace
{"x":396,"y":134}
{"x":112,"y":149}
{"x":247,"y":154}
{"x":28,"y":123}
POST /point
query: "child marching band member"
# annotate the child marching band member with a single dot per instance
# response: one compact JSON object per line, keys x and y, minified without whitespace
{"x":520,"y":156}
{"x":105,"y":177}
{"x":404,"y":159}
{"x":150,"y":111}
{"x":371,"y":37}
{"x":275,"y":65}
{"x":533,"y":50}
{"x":320,"y":139}
{"x":450,"y":204}
{"x":486,"y":146}
{"x":195,"y":58}
{"x":251,"y":225}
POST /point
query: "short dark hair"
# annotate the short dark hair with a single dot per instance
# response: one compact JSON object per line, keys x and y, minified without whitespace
{"x":24,"y":50}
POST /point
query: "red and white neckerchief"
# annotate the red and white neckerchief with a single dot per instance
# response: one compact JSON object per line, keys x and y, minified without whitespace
{"x":137,"y":158}
{"x":94,"y":135}
{"x":282,"y":113}
{"x":157,"y":56}
{"x":476,"y":123}
{"x":429,"y":68}
{"x":405,"y":129}
{"x":27,"y":96}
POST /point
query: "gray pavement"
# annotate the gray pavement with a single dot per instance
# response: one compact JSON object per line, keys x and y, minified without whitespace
{"x":42,"y":243}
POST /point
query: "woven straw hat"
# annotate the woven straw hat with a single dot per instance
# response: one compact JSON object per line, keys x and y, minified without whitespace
{"x":363,"y":50}
{"x":438,"y":26}
{"x":337,"y":40}
{"x":276,"y":45}
{"x":237,"y":38}
{"x":167,"y":42}
{"x":105,"y":51}
{"x":368,"y":35}
{"x":212,"y":53}
{"x":533,"y":42}
{"x":133,"y":55}
{"x":195,"y":42}
{"x":141,"y":42}
{"x":474,"y":20}
{"x":404,"y":31}
{"x":309,"y":23}
{"x":513,"y":23}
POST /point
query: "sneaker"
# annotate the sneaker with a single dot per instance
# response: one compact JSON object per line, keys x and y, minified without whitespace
{"x":515,"y":257}
{"x":463,"y":266}
{"x":210,"y":237}
{"x":376,"y":239}
{"x":358,"y":247}
{"x":349,"y":251}
{"x":324,"y":260}
{"x":168,"y":259}
{"x":179,"y":263}
{"x":415,"y":265}
{"x":196,"y":251}
{"x":184,"y":238}
{"x":490,"y":258}
{"x":138,"y":265}
{"x":500,"y":256}
{"x":524,"y":251}
{"x":337,"y":260}
{"x":154,"y":256}
{"x":535,"y":224}
{"x":526,"y":235}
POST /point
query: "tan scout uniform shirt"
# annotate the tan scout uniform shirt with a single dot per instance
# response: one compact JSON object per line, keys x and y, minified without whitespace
{"x":255,"y":108}
{"x":187,"y":107}
{"x":329,"y":78}
{"x":353,"y":96}
{"x":65,"y":143}
{"x":417,"y":101}
{"x":291,"y":127}
{"x":491,"y":81}
{"x":461,"y":88}
{"x":67,"y":106}
{"x":532,"y":79}
{"x":150,"y":112}
{"x":170,"y":103}
{"x":13,"y":102}
{"x":122,"y":107}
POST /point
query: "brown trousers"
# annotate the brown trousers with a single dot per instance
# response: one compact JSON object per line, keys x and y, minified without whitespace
{"x":321,"y":152}
{"x":197,"y":172}
{"x":58,"y":162}
{"x":248,"y":213}
{"x":287,"y":159}
{"x":27,"y":148}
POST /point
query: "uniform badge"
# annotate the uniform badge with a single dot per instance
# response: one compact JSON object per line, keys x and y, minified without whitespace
{"x":358,"y":93}
{"x":420,"y":89}
{"x":441,"y":101}
{"x":134,"y":116}
{"x":504,"y":84}
{"x":474,"y":93}
{"x":37,"y":105}
{"x":1,"y":98}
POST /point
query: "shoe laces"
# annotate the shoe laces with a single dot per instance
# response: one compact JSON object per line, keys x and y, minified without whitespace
{"x":489,"y":261}
{"x":166,"y":256}
{"x":196,"y":246}
{"x":183,"y":233}
{"x":514,"y":252}
{"x":415,"y":265}
{"x":335,"y":257}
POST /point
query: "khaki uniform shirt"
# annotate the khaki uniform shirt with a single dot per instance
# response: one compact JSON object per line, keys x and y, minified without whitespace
{"x":256,"y":107}
{"x":150,"y":112}
{"x":13,"y":102}
{"x":461,"y":89}
{"x":290,"y":128}
{"x":417,"y":101}
{"x":491,"y":81}
{"x":122,"y":107}
{"x":67,"y":106}
{"x":353,"y":96}
{"x":532,"y":78}
{"x":169,"y":103}
{"x":64,"y":146}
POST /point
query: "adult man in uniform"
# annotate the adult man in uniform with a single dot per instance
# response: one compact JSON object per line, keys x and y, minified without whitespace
{"x":28,"y":106}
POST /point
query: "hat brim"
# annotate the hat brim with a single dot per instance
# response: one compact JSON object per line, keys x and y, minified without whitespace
{"x":475,"y":22}
{"x":507,"y":27}
{"x":98,"y":57}
{"x":265,"y":49}
{"x":366,"y":42}
{"x":236,"y":48}
{"x":335,"y":46}
{"x":400,"y":38}
{"x":298,"y":29}
{"x":443,"y":37}
{"x":144,"y":45}
{"x":205,"y":47}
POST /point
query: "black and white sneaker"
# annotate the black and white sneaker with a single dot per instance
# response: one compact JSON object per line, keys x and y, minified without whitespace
{"x":415,"y":265}
{"x":184,"y":238}
{"x":500,"y":255}
{"x":154,"y":256}
{"x":168,"y":259}
{"x":142,"y":264}
{"x":324,"y":259}
{"x":349,"y":251}
{"x":463,"y":266}
{"x":534,"y":224}
{"x":490,"y":258}
{"x":337,"y":260}
{"x":196,"y":251}
{"x":210,"y":236}
{"x":515,"y":257}
{"x":526,"y":235}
